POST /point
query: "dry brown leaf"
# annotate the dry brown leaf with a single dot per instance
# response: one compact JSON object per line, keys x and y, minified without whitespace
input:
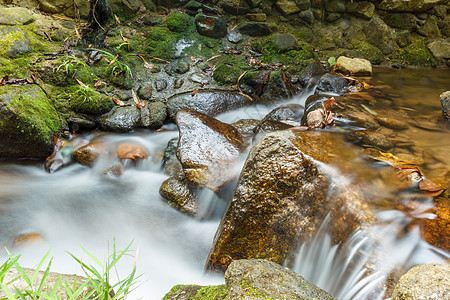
{"x":98,"y":83}
{"x":430,"y":187}
{"x":193,"y":59}
{"x":195,"y":91}
{"x":82,"y":84}
{"x":116,"y":18}
{"x":117,"y":101}
{"x":63,"y":18}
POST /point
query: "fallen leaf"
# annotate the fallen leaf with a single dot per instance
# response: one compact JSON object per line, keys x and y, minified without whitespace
{"x":82,"y":84}
{"x":366,"y":85}
{"x":327,"y":104}
{"x":117,"y":101}
{"x":430,"y":187}
{"x":193,"y":59}
{"x":283,"y":76}
{"x":116,"y":18}
{"x":98,"y":83}
{"x":195,"y":91}
{"x":136,"y":100}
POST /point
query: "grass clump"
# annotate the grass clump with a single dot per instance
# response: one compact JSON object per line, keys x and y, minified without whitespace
{"x":37,"y":284}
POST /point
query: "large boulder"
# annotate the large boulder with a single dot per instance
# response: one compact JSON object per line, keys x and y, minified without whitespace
{"x":259,"y":278}
{"x":210,"y":102}
{"x":281,"y":197}
{"x":28,"y":121}
{"x":430,"y":281}
{"x":14,"y":41}
{"x":380,"y":35}
{"x":208,"y":149}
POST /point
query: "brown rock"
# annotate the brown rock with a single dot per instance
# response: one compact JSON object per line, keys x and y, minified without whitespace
{"x":178,"y":195}
{"x":208,"y":149}
{"x":282,"y":196}
{"x":131,"y":151}
{"x":88,"y":154}
{"x":28,"y":239}
{"x":437,"y":231}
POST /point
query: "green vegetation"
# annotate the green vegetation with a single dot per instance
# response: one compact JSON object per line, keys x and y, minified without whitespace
{"x":89,"y":101}
{"x":97,"y":285}
{"x":178,"y":22}
{"x":195,"y":292}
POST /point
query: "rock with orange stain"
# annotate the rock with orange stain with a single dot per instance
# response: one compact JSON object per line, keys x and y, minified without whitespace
{"x":131,"y":151}
{"x":29,"y":239}
{"x":437,"y":231}
{"x":88,"y":154}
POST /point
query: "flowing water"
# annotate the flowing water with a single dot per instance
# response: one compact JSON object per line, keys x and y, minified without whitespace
{"x":80,"y":207}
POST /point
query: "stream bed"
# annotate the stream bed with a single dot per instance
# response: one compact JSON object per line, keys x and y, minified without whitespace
{"x":79,"y":207}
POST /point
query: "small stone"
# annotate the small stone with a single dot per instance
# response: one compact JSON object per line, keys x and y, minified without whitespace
{"x":88,"y":154}
{"x":28,"y":239}
{"x":287,"y":7}
{"x":372,"y":138}
{"x":445,"y":103}
{"x":392,"y":123}
{"x":285,"y":42}
{"x":440,"y":48}
{"x":354,"y":66}
{"x":363,"y":10}
{"x":145,"y":91}
{"x":256,"y":17}
{"x":307,"y":16}
{"x":158,"y":114}
{"x":115,"y":170}
{"x":178,"y":195}
{"x":131,"y":151}
{"x":234,"y":37}
{"x":178,"y":83}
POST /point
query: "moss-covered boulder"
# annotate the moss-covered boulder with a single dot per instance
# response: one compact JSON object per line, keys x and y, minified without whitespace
{"x":14,"y":42}
{"x":226,"y":74}
{"x":197,"y":292}
{"x":262,"y":279}
{"x":28,"y":121}
{"x":88,"y":101}
{"x":15,"y":16}
{"x":178,"y":22}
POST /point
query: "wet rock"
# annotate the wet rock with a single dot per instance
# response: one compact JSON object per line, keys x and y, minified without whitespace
{"x":15,"y":16}
{"x":392,"y":123}
{"x":172,"y":165}
{"x":208,"y":149}
{"x":61,"y":156}
{"x":440,"y":48}
{"x":428,"y":281}
{"x":281,"y":197}
{"x":436,"y":230}
{"x":312,"y":71}
{"x":120,"y":119}
{"x":131,"y":151}
{"x":372,"y":138}
{"x":380,"y":35}
{"x":87,"y":155}
{"x":291,"y":112}
{"x":257,"y":28}
{"x":287,"y":7}
{"x":157,"y":114}
{"x":332,"y":17}
{"x":29,"y":239}
{"x":178,"y":83}
{"x":261,"y":278}
{"x":307,"y":16}
{"x":28,"y":121}
{"x":210,"y":26}
{"x":178,"y":195}
{"x":246,"y":126}
{"x":16,"y":42}
{"x":267,"y":126}
{"x":179,"y":66}
{"x":160,"y":85}
{"x":278,"y":88}
{"x":330,"y":83}
{"x":445,"y":103}
{"x":410,"y":6}
{"x":116,"y":170}
{"x":353,"y":66}
{"x":363,"y":10}
{"x":234,"y":37}
{"x":199,"y":77}
{"x":210,"y":102}
{"x":48,"y":280}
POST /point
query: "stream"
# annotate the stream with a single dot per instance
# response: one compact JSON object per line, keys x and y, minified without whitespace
{"x":79,"y":207}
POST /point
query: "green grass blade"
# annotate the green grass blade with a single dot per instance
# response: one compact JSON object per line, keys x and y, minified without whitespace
{"x":44,"y":277}
{"x":8,"y":293}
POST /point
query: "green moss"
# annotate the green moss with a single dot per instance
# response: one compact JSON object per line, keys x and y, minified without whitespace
{"x":416,"y":54}
{"x":226,"y":74}
{"x":35,"y":117}
{"x":178,"y":22}
{"x":88,"y":101}
{"x":159,"y":33}
{"x":196,"y":292}
{"x":8,"y":40}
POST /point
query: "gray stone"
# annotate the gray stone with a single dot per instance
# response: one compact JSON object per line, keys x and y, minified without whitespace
{"x":235,"y":7}
{"x":257,"y":28}
{"x":428,"y":281}
{"x":335,"y":6}
{"x":440,"y":48}
{"x":307,"y":16}
{"x":380,"y":35}
{"x":121,"y":119}
{"x":234,"y":37}
{"x":363,"y":10}
{"x":430,"y":29}
{"x":160,"y":85}
{"x":285,"y":42}
{"x":15,"y":16}
{"x":179,"y":66}
{"x":158,"y":114}
{"x":259,"y":278}
{"x":406,"y":21}
{"x":330,"y":83}
{"x":303,"y":4}
{"x":287,"y":7}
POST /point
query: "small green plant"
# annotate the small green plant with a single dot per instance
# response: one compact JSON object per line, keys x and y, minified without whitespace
{"x":332,"y":61}
{"x":118,"y":67}
{"x":69,"y":63}
{"x":96,"y":286}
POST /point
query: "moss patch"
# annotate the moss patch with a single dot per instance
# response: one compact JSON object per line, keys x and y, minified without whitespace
{"x":89,"y":101}
{"x":226,"y":74}
{"x":416,"y":54}
{"x":179,"y":22}
{"x":195,"y":292}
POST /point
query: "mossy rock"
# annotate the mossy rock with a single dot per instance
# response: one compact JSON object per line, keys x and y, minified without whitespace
{"x":15,"y":16}
{"x":14,"y":42}
{"x":89,"y":101}
{"x":28,"y":121}
{"x":178,"y":22}
{"x":226,"y":74}
{"x":416,"y":54}
{"x":197,"y":292}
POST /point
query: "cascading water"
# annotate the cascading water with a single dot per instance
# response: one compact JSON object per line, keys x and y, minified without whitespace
{"x":80,"y":206}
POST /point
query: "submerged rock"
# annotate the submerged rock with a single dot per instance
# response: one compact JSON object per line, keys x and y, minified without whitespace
{"x":28,"y":121}
{"x":131,"y":151}
{"x":178,"y":195}
{"x":259,"y":278}
{"x":330,"y":83}
{"x":281,"y":197}
{"x":121,"y":119}
{"x":208,"y":149}
{"x":28,"y":239}
{"x":445,"y":103}
{"x":88,"y":154}
{"x":430,"y":281}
